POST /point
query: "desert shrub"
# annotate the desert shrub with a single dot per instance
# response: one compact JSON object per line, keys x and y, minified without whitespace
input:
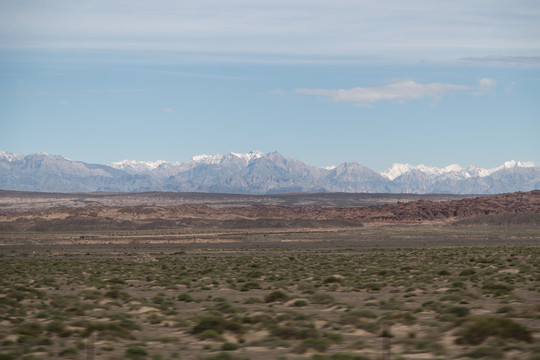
{"x":271,"y":342}
{"x":369,"y":326}
{"x":413,"y":345}
{"x":217,"y":324}
{"x":497,"y":289}
{"x":300,"y":303}
{"x":70,"y":351}
{"x":8,"y":356}
{"x":154,"y":318}
{"x":358,"y":344}
{"x":354,"y":317}
{"x":225,"y":308}
{"x":117,"y":294}
{"x":250,"y":285}
{"x":294,"y":332}
{"x":276,"y":296}
{"x":209,"y":334}
{"x":229,"y":346}
{"x":484,"y":352}
{"x":306,"y":288}
{"x":459,"y":311}
{"x":442,"y":308}
{"x":91,"y":294}
{"x":32,"y":340}
{"x":226,"y":356}
{"x":253,"y":300}
{"x":136,"y":352}
{"x":374,"y":286}
{"x":185,"y":297}
{"x":113,"y":329}
{"x":332,"y":279}
{"x":322,"y":299}
{"x":29,"y":329}
{"x":479,"y":328}
{"x":116,"y":281}
{"x":318,"y":344}
{"x":467,"y":272}
{"x":458,"y":284}
{"x":58,"y":327}
{"x":505,"y":309}
{"x":400,"y":316}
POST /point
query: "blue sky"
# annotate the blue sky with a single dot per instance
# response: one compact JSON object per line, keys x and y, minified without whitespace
{"x":376,"y":82}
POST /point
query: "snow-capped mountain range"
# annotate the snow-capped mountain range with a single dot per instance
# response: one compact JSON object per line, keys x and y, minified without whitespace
{"x":454,"y":170}
{"x":256,"y":173}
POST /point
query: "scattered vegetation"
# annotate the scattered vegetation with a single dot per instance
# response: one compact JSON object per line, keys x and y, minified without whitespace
{"x":326,"y":303}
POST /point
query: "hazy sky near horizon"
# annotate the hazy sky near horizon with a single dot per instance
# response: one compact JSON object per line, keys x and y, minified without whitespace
{"x":376,"y":82}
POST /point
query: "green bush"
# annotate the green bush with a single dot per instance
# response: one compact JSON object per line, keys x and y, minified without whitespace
{"x":497,"y":289}
{"x":276,"y":296}
{"x":217,"y":324}
{"x":209,"y":334}
{"x":226,"y":356}
{"x":8,"y":356}
{"x":136,"y":352}
{"x":294,"y":332}
{"x":253,"y":300}
{"x":29,"y":329}
{"x":318,"y":344}
{"x":459,"y":311}
{"x":68,"y":351}
{"x":112,"y":330}
{"x":355,"y":317}
{"x":484,"y":352}
{"x":185,"y":297}
{"x":299,"y":303}
{"x":505,"y":309}
{"x":479,"y":328}
{"x":229,"y":346}
{"x":322,"y":299}
{"x":467,"y":272}
{"x":332,"y":279}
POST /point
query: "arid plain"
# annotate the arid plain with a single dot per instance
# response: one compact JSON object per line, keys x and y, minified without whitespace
{"x":319,"y":276}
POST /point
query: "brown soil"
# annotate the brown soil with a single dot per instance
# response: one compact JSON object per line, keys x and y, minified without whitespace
{"x":193,"y":216}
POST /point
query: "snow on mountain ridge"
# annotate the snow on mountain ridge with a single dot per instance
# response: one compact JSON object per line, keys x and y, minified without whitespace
{"x":218,"y":158}
{"x":10,"y":156}
{"x":137,"y":165}
{"x":454,"y":170}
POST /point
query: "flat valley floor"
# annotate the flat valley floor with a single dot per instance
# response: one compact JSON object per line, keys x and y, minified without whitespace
{"x":433,"y":291}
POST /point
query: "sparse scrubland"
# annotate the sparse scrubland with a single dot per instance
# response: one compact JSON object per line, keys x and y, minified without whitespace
{"x":251,"y":283}
{"x":426,"y":303}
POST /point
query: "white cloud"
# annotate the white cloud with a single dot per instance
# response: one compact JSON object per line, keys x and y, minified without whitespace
{"x":294,"y":29}
{"x":398,"y":91}
{"x":169,"y":110}
{"x":485,"y":86}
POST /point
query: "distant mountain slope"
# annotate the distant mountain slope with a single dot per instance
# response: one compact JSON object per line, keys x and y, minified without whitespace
{"x":256,"y":173}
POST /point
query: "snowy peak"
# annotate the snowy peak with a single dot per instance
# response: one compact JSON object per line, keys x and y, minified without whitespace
{"x":220,"y":158}
{"x":136,"y":165}
{"x":452,"y":171}
{"x":4,"y":155}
